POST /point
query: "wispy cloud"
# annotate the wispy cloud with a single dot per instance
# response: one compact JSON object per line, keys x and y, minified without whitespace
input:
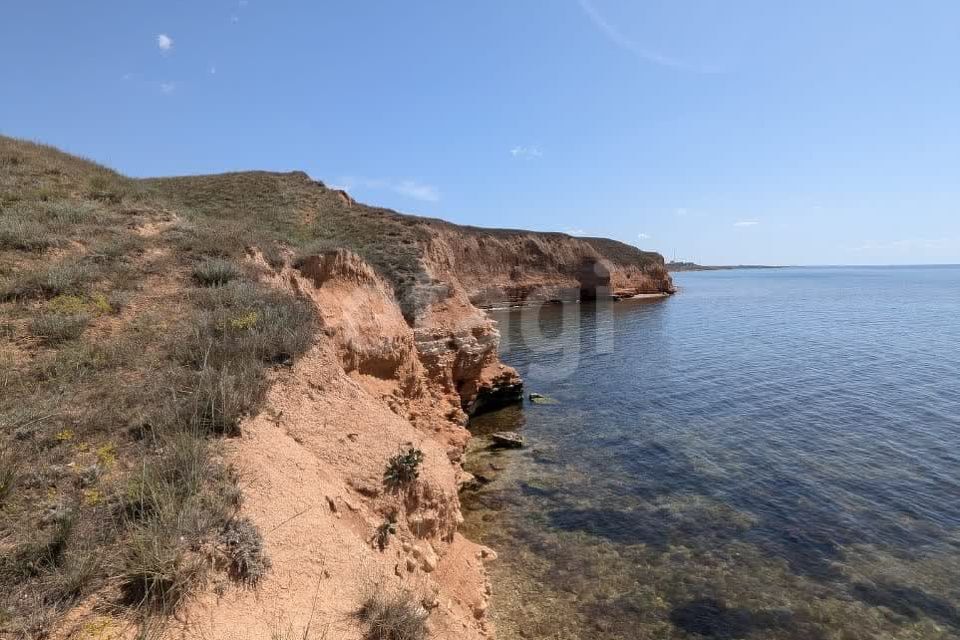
{"x":681,"y":213}
{"x":643,"y":236}
{"x":526,"y":152}
{"x":411,"y":189}
{"x":575,"y":232}
{"x":746,"y":223}
{"x":167,"y":87}
{"x":407,"y":188}
{"x":165,"y":42}
{"x":617,"y":37}
{"x":213,"y":69}
{"x":907,"y":245}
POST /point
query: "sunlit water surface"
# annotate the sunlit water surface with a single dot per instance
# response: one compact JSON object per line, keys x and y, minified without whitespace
{"x":769,"y":454}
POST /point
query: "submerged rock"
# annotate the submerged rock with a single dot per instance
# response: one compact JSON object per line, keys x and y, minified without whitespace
{"x":507,"y":440}
{"x":537,"y":398}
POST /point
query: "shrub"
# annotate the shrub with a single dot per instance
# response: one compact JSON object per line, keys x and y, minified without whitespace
{"x":403,"y":468}
{"x":244,"y":545}
{"x":25,"y":235}
{"x":54,"y":328}
{"x":215,"y":272}
{"x":59,"y":279}
{"x":393,"y":617}
{"x":382,"y":535}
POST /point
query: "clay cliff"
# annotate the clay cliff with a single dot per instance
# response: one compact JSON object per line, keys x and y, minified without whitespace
{"x":279,"y":345}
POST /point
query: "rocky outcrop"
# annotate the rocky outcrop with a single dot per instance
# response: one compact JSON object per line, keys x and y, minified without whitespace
{"x":494,"y":266}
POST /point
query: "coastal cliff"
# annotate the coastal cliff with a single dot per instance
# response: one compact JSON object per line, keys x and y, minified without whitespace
{"x":309,"y":363}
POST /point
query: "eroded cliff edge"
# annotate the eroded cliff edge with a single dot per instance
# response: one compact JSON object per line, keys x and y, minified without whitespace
{"x":394,"y":367}
{"x":344,"y":334}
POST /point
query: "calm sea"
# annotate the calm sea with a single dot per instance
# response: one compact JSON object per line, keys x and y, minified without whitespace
{"x":768,"y":454}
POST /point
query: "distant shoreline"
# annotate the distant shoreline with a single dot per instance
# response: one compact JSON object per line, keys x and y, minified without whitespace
{"x":678,"y":267}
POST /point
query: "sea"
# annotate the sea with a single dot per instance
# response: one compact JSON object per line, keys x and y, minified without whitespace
{"x":769,"y":453}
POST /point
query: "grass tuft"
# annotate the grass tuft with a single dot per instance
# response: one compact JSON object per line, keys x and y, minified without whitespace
{"x":54,"y":328}
{"x":395,"y":616}
{"x":215,"y":272}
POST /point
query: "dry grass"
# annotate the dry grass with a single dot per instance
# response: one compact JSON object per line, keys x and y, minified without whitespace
{"x":108,"y":425}
{"x":393,"y":616}
{"x":215,"y":272}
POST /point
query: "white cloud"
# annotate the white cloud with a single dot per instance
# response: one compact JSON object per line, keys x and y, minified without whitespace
{"x":643,"y":236}
{"x":407,"y":188}
{"x":618,"y":38}
{"x":681,"y":212}
{"x":165,"y":42}
{"x":526,"y":152}
{"x":575,"y":232}
{"x":167,"y":87}
{"x":746,"y":223}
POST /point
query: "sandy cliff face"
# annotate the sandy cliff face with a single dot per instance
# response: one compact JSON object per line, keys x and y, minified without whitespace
{"x":375,"y":384}
{"x":372,"y":386}
{"x":313,"y":461}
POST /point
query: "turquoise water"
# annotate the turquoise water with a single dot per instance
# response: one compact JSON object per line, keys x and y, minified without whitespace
{"x":768,"y":454}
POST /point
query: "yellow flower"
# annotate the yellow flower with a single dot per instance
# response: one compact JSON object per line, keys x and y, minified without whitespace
{"x":246,"y":321}
{"x":107,"y":454}
{"x":65,"y":435}
{"x":92,"y":497}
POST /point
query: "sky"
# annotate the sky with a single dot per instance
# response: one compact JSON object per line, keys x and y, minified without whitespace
{"x":816,"y":132}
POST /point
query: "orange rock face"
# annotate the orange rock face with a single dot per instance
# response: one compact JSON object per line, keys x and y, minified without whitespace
{"x":312,"y":462}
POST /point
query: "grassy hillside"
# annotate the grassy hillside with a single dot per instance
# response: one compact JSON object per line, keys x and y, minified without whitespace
{"x":134,"y":335}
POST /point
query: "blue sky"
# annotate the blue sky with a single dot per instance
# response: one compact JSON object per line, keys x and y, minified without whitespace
{"x":816,"y":132}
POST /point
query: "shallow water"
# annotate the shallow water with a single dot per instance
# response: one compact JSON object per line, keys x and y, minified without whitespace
{"x":768,"y":454}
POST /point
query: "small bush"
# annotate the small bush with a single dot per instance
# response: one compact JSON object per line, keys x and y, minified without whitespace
{"x":382,"y":535}
{"x":393,"y":617}
{"x":54,"y":328}
{"x":244,"y":545}
{"x":403,"y":468}
{"x":25,"y":235}
{"x":48,"y":283}
{"x":215,"y":273}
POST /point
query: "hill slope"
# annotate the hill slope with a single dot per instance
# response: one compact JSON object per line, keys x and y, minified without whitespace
{"x":241,"y":398}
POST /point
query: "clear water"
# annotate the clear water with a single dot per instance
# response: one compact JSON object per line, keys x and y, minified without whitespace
{"x":768,"y":454}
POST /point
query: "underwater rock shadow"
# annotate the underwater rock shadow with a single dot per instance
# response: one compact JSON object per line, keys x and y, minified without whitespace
{"x":909,"y":602}
{"x":712,"y":618}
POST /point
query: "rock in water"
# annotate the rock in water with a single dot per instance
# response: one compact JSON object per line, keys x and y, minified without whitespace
{"x":537,"y":398}
{"x":507,"y":440}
